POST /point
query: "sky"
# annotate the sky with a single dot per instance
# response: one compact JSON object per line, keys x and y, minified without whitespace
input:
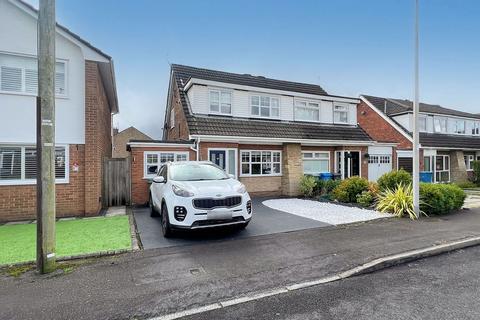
{"x":349,"y":47}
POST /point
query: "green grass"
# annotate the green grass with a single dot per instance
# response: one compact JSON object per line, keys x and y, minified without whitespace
{"x":74,"y":237}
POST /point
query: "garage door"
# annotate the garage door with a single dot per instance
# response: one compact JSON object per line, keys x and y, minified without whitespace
{"x":405,"y":163}
{"x":378,"y":164}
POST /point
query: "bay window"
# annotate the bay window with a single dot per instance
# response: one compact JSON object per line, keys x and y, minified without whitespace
{"x":220,"y":101}
{"x":315,"y":163}
{"x":340,"y":114}
{"x":261,"y":163}
{"x":18,"y":164}
{"x":264,"y":106}
{"x":153,"y":161}
{"x":307,"y":111}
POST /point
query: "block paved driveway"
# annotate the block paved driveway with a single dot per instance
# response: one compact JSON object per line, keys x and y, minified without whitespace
{"x":265,"y":221}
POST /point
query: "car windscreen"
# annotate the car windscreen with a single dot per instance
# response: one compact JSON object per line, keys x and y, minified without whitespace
{"x":196,"y":172}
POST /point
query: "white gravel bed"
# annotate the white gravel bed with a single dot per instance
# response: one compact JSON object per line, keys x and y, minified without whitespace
{"x":323,"y":211}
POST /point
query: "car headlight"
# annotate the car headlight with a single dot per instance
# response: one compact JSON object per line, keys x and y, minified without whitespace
{"x":241,"y":189}
{"x":181,"y":192}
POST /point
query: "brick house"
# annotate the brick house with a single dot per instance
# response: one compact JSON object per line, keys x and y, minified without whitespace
{"x":449,"y":139}
{"x":85,"y":101}
{"x":120,"y":140}
{"x":268,"y":133}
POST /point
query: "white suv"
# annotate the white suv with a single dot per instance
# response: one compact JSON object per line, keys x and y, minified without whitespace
{"x":198,"y":194}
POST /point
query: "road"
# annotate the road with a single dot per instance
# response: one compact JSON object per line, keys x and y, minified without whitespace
{"x":442,"y":287}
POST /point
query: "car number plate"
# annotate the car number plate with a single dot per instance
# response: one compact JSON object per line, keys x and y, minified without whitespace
{"x":219,"y":215}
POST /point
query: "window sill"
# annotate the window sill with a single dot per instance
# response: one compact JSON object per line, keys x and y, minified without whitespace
{"x":28,"y":182}
{"x":25,"y":94}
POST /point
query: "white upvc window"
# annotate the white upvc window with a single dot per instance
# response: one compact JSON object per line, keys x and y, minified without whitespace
{"x":315,"y":163}
{"x":422,"y":123}
{"x":307,"y":110}
{"x":469,"y":159}
{"x":440,"y":124}
{"x":18,"y":164}
{"x":476,"y":128}
{"x":261,"y":163}
{"x":19,"y":74}
{"x":340,"y":114}
{"x":154,"y":159}
{"x":220,"y":101}
{"x":459,"y":126}
{"x":442,"y":168}
{"x":264,"y":106}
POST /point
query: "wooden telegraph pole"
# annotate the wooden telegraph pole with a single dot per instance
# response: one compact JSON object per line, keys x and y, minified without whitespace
{"x":46,"y":138}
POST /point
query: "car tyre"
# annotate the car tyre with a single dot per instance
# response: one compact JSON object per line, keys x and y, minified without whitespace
{"x":153,"y":211}
{"x":166,"y":228}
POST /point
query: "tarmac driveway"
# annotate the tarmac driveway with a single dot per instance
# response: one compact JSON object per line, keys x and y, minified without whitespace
{"x":265,"y":221}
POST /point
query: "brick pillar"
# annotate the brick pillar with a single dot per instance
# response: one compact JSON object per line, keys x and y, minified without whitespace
{"x":292,"y":169}
{"x":458,"y":169}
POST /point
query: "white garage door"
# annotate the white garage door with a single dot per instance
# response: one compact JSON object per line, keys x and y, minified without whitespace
{"x":378,"y":164}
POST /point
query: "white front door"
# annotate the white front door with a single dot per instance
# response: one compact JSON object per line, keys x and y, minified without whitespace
{"x":378,"y":165}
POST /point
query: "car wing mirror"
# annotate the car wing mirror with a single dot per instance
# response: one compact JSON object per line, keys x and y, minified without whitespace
{"x":232,"y":176}
{"x":158,"y":179}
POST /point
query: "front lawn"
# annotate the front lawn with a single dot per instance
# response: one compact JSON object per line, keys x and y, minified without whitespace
{"x":74,"y":237}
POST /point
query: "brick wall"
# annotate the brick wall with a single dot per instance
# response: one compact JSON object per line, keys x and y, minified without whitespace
{"x":19,"y":202}
{"x":180,"y":130}
{"x":98,"y":140}
{"x":121,"y":139}
{"x":378,"y":128}
{"x":140,"y":185}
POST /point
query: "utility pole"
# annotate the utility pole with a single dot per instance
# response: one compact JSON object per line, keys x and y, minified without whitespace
{"x":416,"y":136}
{"x":46,"y":138}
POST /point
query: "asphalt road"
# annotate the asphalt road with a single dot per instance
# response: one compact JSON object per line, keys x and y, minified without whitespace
{"x":442,"y":287}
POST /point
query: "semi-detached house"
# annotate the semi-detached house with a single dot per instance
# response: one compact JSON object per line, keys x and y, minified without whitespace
{"x":85,"y":101}
{"x":449,"y":139}
{"x":268,"y":133}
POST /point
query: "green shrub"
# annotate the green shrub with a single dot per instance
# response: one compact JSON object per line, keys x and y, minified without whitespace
{"x":397,"y":201}
{"x":476,"y":172}
{"x":392,"y":179}
{"x":466,"y":185}
{"x":307,"y":186}
{"x":366,"y":198}
{"x":440,"y":199}
{"x":349,"y":189}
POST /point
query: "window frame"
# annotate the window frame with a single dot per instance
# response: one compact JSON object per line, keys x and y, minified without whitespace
{"x":328,"y":159}
{"x":307,"y":106}
{"x":24,"y":91}
{"x":146,"y":175}
{"x":23,"y":180}
{"x":261,"y":162}
{"x":446,"y":158}
{"x":346,"y":111}
{"x":219,"y":91}
{"x":439,"y":119}
{"x":260,"y":96}
{"x":469,"y":159}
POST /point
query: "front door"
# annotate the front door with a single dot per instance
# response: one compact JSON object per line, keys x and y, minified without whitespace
{"x":225,"y":159}
{"x":348,"y":163}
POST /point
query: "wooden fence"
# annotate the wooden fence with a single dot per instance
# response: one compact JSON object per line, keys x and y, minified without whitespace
{"x":116,"y":182}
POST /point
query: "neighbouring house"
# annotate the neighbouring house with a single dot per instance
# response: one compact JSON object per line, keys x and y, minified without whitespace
{"x":85,"y":101}
{"x":268,"y":133}
{"x":449,"y":139}
{"x":120,"y":140}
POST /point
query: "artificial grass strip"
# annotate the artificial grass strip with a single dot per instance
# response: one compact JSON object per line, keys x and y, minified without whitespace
{"x":73,"y":237}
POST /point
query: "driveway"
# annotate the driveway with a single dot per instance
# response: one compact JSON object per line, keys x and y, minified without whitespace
{"x":265,"y":221}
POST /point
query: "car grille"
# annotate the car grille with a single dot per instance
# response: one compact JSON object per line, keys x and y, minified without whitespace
{"x":209,"y":203}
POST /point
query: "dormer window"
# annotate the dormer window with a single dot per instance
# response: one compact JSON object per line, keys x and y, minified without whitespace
{"x":264,"y":106}
{"x":340,"y":114}
{"x":220,"y":101}
{"x":307,"y":111}
{"x":440,"y":124}
{"x":422,"y":123}
{"x":476,"y":129}
{"x":460,"y":126}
